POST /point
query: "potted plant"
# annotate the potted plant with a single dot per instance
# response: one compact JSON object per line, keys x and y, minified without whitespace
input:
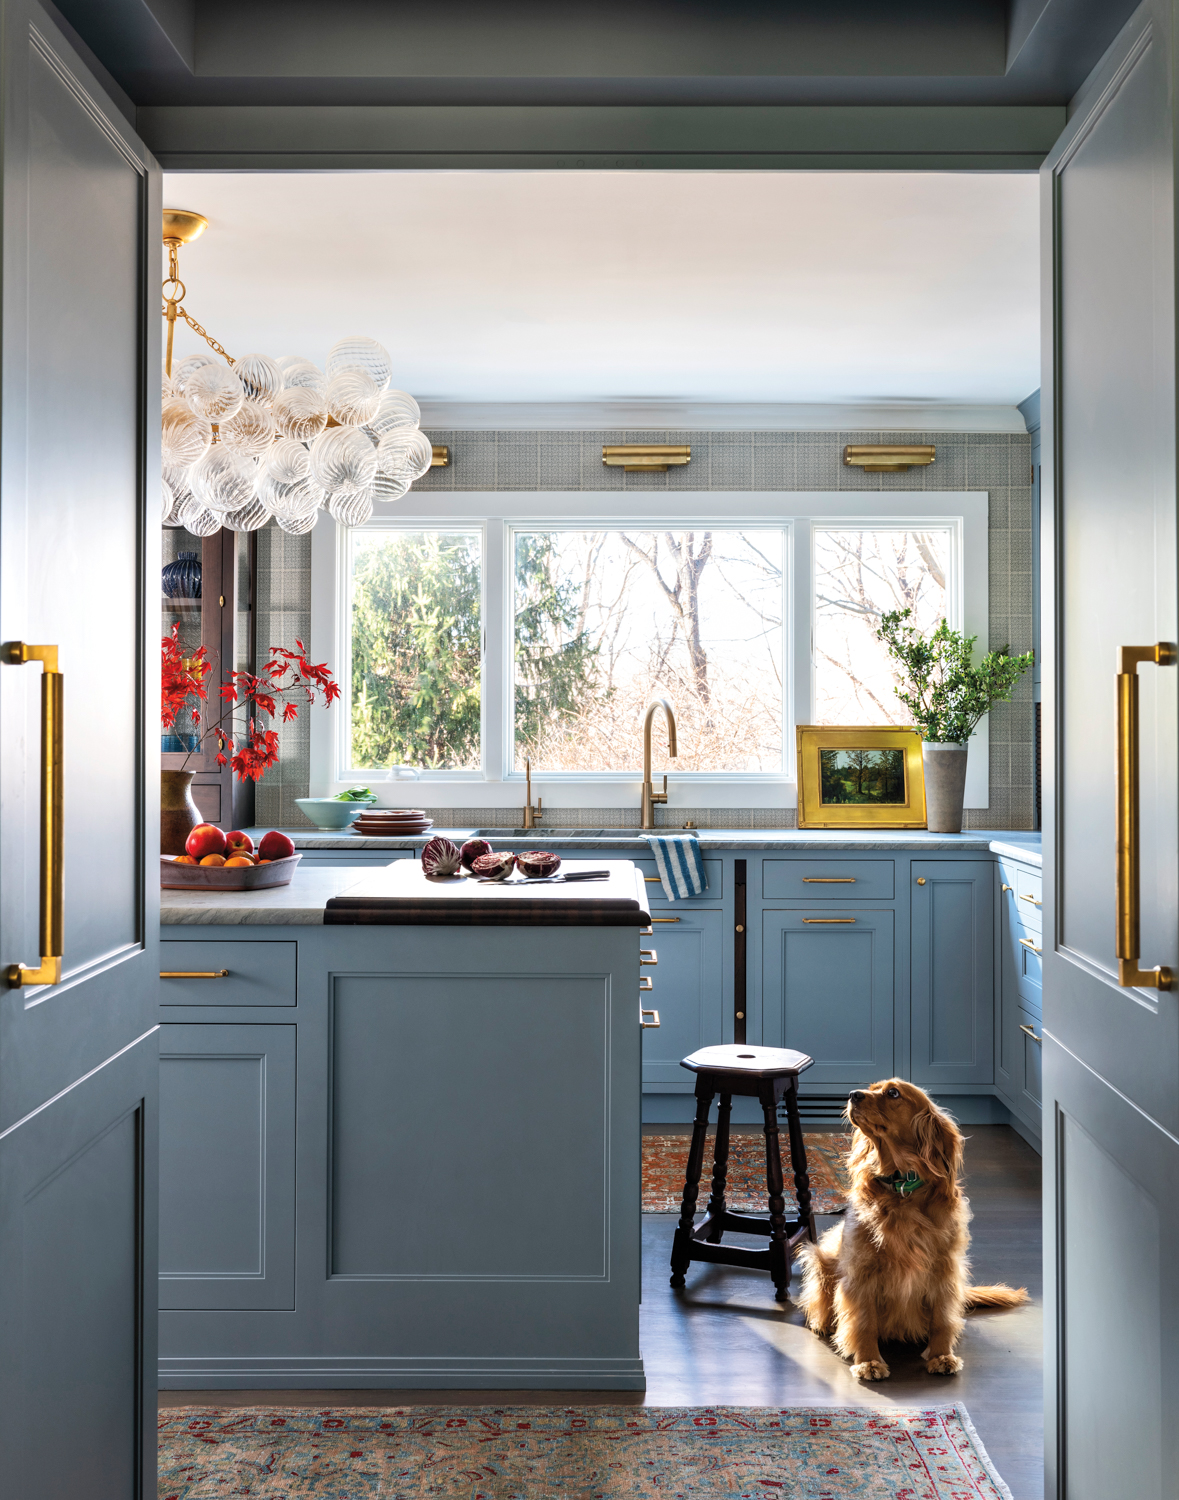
{"x":947,"y":694}
{"x":287,"y":679}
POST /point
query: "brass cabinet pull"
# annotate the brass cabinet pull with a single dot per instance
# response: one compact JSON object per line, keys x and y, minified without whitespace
{"x":1126,"y":874}
{"x":828,"y":880}
{"x":646,"y":982}
{"x":652,"y":880}
{"x":921,"y":880}
{"x":1027,"y":943}
{"x":16,"y":653}
{"x":648,"y":1025}
{"x":648,"y":956}
{"x":1032,"y":899}
{"x":194,"y":974}
{"x":1003,"y":887}
{"x":1027,"y":1031}
{"x":665,"y":919}
{"x":829,"y":921}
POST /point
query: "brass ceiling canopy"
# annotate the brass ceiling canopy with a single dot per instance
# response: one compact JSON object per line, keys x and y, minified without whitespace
{"x":182,"y":226}
{"x":888,"y":458}
{"x":645,"y":458}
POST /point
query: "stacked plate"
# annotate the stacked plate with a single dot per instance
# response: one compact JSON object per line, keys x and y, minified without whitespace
{"x":390,"y":822}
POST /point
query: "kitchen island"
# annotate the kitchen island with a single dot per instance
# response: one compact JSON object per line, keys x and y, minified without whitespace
{"x":403,"y":1150}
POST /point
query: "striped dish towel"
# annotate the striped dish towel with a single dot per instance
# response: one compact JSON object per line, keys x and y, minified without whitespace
{"x":677,"y":858}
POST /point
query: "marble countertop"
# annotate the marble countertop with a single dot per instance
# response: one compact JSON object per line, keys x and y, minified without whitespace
{"x":300,"y":904}
{"x":1014,"y":845}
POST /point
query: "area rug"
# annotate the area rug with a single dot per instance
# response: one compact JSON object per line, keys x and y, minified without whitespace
{"x":574,"y":1453}
{"x":665,"y":1159}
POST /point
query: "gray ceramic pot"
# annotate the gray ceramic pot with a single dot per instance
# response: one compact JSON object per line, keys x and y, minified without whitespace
{"x":945,"y":784}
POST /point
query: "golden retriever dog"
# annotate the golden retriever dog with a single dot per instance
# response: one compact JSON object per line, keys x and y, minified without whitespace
{"x":896,"y":1267}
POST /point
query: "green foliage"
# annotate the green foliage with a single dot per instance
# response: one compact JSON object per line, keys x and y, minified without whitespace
{"x":356,"y":794}
{"x":416,"y":652}
{"x":556,"y":663}
{"x":938,"y":683}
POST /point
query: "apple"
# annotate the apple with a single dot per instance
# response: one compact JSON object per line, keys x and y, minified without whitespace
{"x":275,"y":845}
{"x":216,"y":860}
{"x":206,"y":838}
{"x":239,"y":842}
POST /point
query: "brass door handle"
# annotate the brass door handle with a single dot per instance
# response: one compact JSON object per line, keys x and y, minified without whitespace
{"x":829,"y":921}
{"x":1127,"y":946}
{"x":1027,"y":943}
{"x":648,"y":956}
{"x":1032,"y":899}
{"x":16,"y":653}
{"x":648,"y":1025}
{"x":665,"y":919}
{"x":646,"y":982}
{"x":828,"y":880}
{"x":1027,"y":1031}
{"x":194,"y":974}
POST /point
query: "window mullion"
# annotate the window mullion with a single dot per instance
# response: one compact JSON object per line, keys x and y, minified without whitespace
{"x":497,"y":680}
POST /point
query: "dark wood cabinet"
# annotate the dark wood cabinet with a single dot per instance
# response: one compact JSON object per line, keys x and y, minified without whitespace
{"x":221,"y":620}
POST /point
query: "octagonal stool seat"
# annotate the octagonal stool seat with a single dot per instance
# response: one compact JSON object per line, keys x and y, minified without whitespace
{"x":770,"y":1075}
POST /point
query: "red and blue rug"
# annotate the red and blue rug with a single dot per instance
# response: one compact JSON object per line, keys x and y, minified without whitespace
{"x":665,"y":1159}
{"x":574,"y":1453}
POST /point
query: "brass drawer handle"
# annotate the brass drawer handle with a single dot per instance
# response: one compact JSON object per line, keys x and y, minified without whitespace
{"x":646,"y":982}
{"x":648,"y":1025}
{"x":1032,"y":899}
{"x":1027,"y":1031}
{"x":1003,"y":887}
{"x":1126,"y":872}
{"x":194,"y":974}
{"x":829,"y":921}
{"x":16,"y":653}
{"x":828,"y":880}
{"x":648,"y":956}
{"x":652,"y":880}
{"x":665,"y":919}
{"x":1027,"y":943}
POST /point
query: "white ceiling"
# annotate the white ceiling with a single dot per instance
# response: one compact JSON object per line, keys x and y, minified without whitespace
{"x":548,"y":287}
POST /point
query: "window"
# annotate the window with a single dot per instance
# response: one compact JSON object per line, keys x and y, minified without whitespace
{"x":416,"y":650}
{"x":861,"y":573}
{"x":603,"y":620}
{"x":479,"y":630}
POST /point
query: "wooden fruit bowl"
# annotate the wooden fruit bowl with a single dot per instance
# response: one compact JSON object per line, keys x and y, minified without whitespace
{"x":174,"y":877}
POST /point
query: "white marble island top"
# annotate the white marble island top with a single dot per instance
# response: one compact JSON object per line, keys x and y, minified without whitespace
{"x":300,"y":904}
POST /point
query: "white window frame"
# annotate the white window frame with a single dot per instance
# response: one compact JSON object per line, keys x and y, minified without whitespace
{"x":497,"y":515}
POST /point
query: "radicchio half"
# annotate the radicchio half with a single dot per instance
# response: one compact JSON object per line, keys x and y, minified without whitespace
{"x":494,"y":866}
{"x":471,"y":851}
{"x":440,"y":857}
{"x":538,"y":863}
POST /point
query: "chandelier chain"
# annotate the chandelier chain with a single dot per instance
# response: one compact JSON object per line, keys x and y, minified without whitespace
{"x":198,"y":329}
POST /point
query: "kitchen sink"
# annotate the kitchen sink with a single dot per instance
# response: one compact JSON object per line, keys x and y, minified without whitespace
{"x":556,"y":833}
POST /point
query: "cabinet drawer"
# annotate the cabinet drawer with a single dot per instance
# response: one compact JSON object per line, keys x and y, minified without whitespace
{"x":261,"y":973}
{"x":1029,"y":968}
{"x":688,"y":991}
{"x":827,"y":879}
{"x":713,"y":873}
{"x":1025,"y":894}
{"x":1028,"y":1077}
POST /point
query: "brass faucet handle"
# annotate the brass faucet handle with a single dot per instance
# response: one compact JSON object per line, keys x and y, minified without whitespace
{"x":660,"y":796}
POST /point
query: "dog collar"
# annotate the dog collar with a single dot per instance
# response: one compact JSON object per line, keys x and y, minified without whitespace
{"x":903,"y":1183}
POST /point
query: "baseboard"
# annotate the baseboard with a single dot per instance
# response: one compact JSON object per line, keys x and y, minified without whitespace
{"x":1028,"y":1132}
{"x":228,"y":1374}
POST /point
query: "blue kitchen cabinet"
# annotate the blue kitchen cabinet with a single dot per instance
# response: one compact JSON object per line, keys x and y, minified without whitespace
{"x":688,"y":992}
{"x":827,"y":990}
{"x":1019,"y":937}
{"x":952,"y":972}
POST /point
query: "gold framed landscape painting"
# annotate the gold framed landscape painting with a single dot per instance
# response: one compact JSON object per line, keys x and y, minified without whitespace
{"x":859,"y":777}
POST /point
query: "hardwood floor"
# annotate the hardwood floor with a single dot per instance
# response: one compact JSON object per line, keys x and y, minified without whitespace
{"x":724,"y":1340}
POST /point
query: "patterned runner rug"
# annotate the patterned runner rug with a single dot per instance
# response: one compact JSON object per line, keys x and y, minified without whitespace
{"x":574,"y":1453}
{"x":665,"y":1159}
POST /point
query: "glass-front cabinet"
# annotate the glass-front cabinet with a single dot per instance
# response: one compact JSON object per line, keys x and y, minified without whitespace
{"x":207,"y":593}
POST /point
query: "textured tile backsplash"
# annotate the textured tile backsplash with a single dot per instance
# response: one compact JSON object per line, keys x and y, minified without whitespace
{"x":999,"y":463}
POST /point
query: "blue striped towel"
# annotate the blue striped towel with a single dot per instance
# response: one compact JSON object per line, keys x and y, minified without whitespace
{"x":677,"y":858}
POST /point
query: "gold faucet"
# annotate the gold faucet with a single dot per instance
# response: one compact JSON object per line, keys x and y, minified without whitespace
{"x":650,"y":795}
{"x":531,"y":814}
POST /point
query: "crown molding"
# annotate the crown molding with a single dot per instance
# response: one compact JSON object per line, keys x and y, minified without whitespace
{"x":718,"y":416}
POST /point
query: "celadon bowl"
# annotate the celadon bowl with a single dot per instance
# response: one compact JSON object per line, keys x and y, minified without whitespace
{"x":328,"y":814}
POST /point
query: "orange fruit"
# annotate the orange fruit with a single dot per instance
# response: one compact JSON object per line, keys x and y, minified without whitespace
{"x":264,"y":861}
{"x":213,"y":859}
{"x":184,"y":859}
{"x":236,"y":860}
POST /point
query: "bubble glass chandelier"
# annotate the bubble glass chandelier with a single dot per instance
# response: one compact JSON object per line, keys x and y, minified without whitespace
{"x":252,"y":439}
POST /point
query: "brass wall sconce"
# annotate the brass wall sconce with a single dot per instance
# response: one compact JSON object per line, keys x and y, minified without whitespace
{"x":441,"y":456}
{"x":888,"y":458}
{"x":646,"y":458}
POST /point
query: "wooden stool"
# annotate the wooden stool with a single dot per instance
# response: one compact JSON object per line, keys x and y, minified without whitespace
{"x":771,"y":1075}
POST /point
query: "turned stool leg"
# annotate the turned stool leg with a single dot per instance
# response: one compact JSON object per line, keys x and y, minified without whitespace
{"x":720,"y":1168}
{"x":802,"y":1180}
{"x":779,"y":1241}
{"x":681,"y":1254}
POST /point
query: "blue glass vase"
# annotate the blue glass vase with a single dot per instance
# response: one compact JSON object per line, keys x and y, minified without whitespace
{"x":182,"y":579}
